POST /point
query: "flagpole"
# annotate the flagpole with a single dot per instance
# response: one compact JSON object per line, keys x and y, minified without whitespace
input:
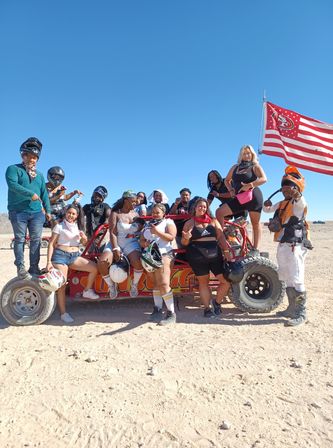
{"x":263,"y":114}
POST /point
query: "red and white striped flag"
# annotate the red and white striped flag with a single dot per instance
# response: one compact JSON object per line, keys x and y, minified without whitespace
{"x":301,"y":141}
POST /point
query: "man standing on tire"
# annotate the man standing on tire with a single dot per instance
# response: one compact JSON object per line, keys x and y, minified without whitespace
{"x":28,"y":205}
{"x":291,"y":232}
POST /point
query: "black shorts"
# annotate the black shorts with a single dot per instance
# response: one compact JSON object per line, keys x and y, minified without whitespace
{"x":255,"y":205}
{"x":205,"y":257}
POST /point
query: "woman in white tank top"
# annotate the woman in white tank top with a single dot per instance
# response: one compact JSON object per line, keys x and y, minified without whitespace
{"x":124,"y":232}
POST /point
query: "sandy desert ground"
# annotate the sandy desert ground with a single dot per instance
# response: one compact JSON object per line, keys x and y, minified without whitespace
{"x":114,"y":380}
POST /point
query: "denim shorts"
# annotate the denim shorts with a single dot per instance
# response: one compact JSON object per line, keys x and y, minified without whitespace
{"x":61,"y":257}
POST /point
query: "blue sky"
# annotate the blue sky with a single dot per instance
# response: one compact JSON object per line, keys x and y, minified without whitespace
{"x":154,"y":94}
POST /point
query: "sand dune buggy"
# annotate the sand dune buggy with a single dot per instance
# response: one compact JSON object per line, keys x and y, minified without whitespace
{"x":23,"y":302}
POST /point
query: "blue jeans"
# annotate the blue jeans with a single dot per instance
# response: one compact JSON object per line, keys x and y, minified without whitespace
{"x":33,"y":222}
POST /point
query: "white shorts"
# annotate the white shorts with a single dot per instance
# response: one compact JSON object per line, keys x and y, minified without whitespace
{"x":129,"y":246}
{"x":291,"y":263}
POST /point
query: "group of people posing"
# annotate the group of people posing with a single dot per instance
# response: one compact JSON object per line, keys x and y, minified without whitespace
{"x":32,"y":203}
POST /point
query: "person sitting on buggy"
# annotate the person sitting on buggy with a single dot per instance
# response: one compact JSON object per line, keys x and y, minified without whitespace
{"x":245,"y":178}
{"x":162,"y":232}
{"x":206,"y":251}
{"x":63,"y":253}
{"x":181,"y":206}
{"x":57,"y":194}
{"x":98,"y":211}
{"x":157,"y":197}
{"x":141,"y":207}
{"x":124,"y":232}
{"x":217,"y":189}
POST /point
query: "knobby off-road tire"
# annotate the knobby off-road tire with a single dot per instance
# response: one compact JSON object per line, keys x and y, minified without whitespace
{"x":24,"y":302}
{"x":260,"y":290}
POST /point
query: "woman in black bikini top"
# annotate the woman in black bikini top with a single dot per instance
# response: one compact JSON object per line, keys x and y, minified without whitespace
{"x":205,"y":242}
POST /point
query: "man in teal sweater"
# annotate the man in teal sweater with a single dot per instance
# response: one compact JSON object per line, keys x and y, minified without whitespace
{"x":28,"y":205}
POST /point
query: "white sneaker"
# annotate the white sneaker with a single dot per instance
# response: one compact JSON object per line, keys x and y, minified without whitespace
{"x":67,"y":318}
{"x":134,"y":290}
{"x":113,"y":291}
{"x":90,"y":294}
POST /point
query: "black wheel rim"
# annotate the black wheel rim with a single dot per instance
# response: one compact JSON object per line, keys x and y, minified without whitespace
{"x":257,"y":286}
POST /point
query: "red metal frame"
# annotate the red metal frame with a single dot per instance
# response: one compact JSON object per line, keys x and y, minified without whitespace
{"x":182,"y":280}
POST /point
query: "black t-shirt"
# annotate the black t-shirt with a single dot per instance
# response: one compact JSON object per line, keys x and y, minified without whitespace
{"x":96,"y":215}
{"x":181,"y":209}
{"x":221,"y":189}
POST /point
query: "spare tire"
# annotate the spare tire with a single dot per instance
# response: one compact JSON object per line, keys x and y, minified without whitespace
{"x":260,"y":290}
{"x":24,"y":302}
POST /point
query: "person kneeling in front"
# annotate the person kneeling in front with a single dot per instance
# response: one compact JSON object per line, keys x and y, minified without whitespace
{"x":63,"y":253}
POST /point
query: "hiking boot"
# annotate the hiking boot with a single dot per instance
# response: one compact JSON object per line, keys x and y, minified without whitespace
{"x":295,"y":321}
{"x":289,"y":311}
{"x":299,"y":316}
{"x":23,"y":274}
{"x":113,"y":291}
{"x":217,"y":308}
{"x":209,"y":313}
{"x":170,"y":318}
{"x":156,"y":315}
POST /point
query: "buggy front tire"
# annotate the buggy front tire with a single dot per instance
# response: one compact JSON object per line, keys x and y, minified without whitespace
{"x":24,"y":302}
{"x":260,"y":290}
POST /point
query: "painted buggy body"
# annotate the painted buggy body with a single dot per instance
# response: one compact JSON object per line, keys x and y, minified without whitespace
{"x":260,"y":291}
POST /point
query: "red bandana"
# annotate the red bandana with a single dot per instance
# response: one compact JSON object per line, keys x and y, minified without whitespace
{"x":203,"y":219}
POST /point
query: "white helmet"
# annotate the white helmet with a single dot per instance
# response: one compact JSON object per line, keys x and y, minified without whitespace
{"x":119,"y":271}
{"x":151,"y":257}
{"x":52,"y":280}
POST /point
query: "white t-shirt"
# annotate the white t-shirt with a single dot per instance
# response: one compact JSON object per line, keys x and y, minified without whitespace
{"x":69,"y":234}
{"x":164,"y":246}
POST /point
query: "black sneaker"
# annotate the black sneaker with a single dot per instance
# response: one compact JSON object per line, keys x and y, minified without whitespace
{"x":217,"y":308}
{"x":35,"y":272}
{"x":170,"y":318}
{"x":23,"y":274}
{"x":156,"y":315}
{"x":209,"y":313}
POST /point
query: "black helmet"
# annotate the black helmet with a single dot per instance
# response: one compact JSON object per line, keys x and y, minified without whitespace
{"x":55,"y":171}
{"x":233,"y":271}
{"x":31,"y":146}
{"x":102,"y":191}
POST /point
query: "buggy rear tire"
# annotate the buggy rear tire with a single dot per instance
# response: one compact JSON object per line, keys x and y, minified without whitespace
{"x":24,"y":302}
{"x":260,"y":290}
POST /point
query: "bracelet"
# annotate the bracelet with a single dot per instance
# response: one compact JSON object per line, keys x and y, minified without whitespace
{"x":116,"y":248}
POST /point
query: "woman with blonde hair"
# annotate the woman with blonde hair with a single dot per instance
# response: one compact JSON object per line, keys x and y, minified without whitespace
{"x":242,"y":181}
